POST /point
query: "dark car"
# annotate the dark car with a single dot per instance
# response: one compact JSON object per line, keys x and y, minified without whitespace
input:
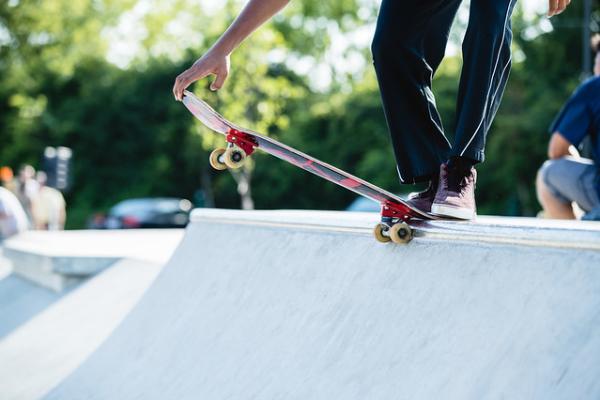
{"x":364,"y":204}
{"x":148,"y":213}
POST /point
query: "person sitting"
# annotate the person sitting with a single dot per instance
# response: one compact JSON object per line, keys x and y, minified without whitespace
{"x":567,"y":178}
{"x":12,"y":216}
{"x":48,"y":206}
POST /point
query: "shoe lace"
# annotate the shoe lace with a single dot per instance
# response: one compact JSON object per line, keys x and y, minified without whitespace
{"x":457,"y":181}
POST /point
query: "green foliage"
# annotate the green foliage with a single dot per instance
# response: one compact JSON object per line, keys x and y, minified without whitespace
{"x":131,"y":139}
{"x":347,"y":131}
{"x":127,"y":140}
{"x":538,"y":88}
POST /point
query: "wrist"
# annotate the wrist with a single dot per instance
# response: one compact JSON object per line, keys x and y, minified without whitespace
{"x":222,"y":49}
{"x":225,"y":45}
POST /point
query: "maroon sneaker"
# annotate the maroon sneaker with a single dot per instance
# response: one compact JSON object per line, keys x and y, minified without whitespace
{"x":423,"y":200}
{"x":455,"y":196}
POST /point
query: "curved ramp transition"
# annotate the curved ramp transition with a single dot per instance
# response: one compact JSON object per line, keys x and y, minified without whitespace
{"x":306,"y":305}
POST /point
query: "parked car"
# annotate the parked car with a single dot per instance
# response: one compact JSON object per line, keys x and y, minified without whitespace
{"x":364,"y":204}
{"x":146,"y":213}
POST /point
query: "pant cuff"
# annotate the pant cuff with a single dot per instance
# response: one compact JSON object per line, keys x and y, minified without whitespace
{"x":417,"y":179}
{"x":478,"y":156}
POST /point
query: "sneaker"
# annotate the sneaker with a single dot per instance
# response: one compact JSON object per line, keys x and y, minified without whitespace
{"x":423,"y":200}
{"x":455,"y":196}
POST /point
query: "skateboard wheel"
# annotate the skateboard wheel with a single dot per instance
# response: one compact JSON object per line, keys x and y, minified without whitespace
{"x":400,"y":233}
{"x":216,"y":159}
{"x":378,"y":232}
{"x":234,"y":157}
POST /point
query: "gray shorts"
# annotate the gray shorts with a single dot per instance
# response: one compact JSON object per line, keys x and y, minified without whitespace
{"x":573,"y":179}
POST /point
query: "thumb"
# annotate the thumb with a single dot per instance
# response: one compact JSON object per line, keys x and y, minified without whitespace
{"x":219,"y":81}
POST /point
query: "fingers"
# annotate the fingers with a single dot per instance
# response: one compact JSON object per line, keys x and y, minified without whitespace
{"x":181,"y":83}
{"x":185,"y":79}
{"x":563,"y":5}
{"x":555,"y":7}
{"x":195,"y":73}
{"x":219,"y":81}
{"x":552,"y":7}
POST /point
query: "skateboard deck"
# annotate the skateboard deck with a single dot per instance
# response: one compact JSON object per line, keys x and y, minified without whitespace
{"x":395,"y":212}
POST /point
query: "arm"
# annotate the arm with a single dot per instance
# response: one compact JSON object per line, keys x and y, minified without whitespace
{"x":560,"y":147}
{"x":572,"y":124}
{"x":216,"y":60}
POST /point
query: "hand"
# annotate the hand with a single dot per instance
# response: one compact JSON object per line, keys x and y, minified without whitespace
{"x":212,"y":63}
{"x":555,"y":7}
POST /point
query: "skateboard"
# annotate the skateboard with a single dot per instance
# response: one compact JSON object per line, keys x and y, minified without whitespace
{"x":241,"y":143}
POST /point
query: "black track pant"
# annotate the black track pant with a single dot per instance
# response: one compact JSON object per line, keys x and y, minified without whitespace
{"x":409,"y":44}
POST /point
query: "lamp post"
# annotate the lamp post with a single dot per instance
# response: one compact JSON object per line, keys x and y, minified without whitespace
{"x":586,"y":33}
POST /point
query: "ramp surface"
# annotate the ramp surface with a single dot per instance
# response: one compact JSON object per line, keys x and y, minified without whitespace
{"x":276,"y":305}
{"x":44,"y":335}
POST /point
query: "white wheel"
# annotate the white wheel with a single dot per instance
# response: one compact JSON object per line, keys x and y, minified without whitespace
{"x":378,"y":232}
{"x":234,"y":157}
{"x":400,"y":233}
{"x":216,"y":159}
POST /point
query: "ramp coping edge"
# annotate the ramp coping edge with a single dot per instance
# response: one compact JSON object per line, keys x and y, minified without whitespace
{"x":582,"y":235}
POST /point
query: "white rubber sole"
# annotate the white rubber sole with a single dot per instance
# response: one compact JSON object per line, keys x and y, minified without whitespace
{"x":453,"y":212}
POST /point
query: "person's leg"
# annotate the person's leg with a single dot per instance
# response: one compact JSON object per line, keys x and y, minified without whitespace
{"x":486,"y":66}
{"x":487,"y":60}
{"x":436,"y":37}
{"x":563,"y":181}
{"x":553,"y":206}
{"x":434,"y":49}
{"x":408,"y":46}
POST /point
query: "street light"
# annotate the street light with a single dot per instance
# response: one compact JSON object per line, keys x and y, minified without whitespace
{"x":56,"y":165}
{"x":586,"y":34}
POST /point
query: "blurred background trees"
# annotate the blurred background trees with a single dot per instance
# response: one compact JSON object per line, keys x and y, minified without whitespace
{"x":96,"y":76}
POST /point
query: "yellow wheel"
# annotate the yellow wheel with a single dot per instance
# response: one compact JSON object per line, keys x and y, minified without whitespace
{"x":234,"y":157}
{"x":378,"y":233}
{"x":216,"y":159}
{"x":400,"y":233}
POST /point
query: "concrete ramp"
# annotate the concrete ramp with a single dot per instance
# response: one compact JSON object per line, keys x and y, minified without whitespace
{"x":306,"y":305}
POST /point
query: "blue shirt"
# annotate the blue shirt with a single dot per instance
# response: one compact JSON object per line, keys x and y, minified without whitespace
{"x":580,"y":117}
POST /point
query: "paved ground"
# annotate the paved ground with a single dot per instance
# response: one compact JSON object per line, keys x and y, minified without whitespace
{"x":45,"y":335}
{"x":308,"y":306}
